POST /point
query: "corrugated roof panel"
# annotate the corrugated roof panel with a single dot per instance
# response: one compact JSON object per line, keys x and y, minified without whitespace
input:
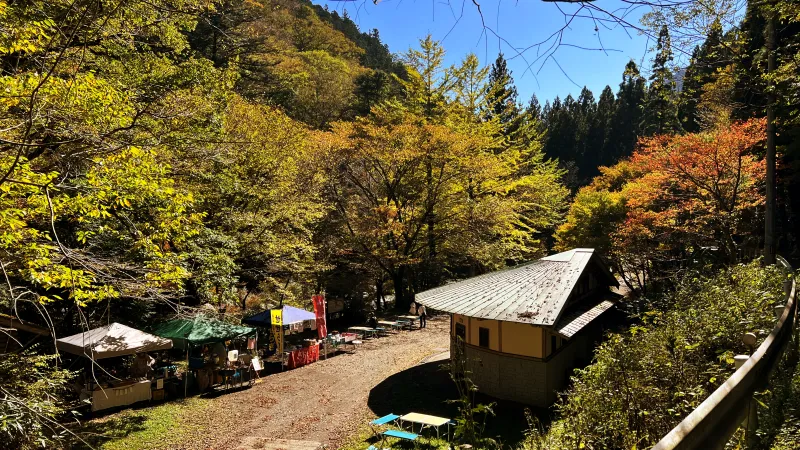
{"x":534,"y":292}
{"x":575,"y":321}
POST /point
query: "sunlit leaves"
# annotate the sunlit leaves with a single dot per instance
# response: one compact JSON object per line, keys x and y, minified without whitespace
{"x":645,"y":381}
{"x":674,"y":195}
{"x":124,"y":206}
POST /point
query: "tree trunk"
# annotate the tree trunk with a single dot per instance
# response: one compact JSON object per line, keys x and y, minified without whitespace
{"x":379,"y":293}
{"x":431,"y":218}
{"x":769,"y":229}
{"x":401,"y":298}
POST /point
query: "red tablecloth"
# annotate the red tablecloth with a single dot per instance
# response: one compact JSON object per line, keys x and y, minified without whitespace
{"x":303,"y":356}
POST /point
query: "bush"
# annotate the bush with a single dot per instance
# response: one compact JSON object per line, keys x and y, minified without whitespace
{"x":31,"y":401}
{"x":645,"y":381}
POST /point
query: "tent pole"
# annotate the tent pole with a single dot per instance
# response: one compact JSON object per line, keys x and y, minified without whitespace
{"x":186,"y":375}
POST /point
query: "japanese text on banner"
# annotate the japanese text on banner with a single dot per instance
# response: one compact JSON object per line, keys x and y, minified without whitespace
{"x":276,"y":318}
{"x":319,"y":310}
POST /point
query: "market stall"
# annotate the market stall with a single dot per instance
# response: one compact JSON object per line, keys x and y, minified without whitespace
{"x":217,"y":353}
{"x":119,"y":384}
{"x":290,"y":342}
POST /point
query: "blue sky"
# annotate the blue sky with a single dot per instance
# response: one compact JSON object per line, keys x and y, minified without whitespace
{"x":520,"y":24}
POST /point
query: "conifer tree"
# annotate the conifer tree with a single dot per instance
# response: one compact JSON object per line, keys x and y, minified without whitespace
{"x":534,"y":107}
{"x":628,"y":112}
{"x":706,"y":60}
{"x":431,"y":83}
{"x":470,"y":84}
{"x":501,"y":97}
{"x":535,"y":112}
{"x":661,"y":108}
{"x":600,"y":139}
{"x":586,"y":109}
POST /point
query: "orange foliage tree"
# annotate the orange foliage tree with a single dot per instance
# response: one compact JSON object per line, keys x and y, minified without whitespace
{"x":682,"y":193}
{"x":699,"y":189}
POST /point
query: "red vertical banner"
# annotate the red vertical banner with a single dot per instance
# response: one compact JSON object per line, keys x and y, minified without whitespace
{"x":319,"y":310}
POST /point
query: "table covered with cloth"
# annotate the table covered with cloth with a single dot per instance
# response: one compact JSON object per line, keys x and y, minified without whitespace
{"x":303,"y":356}
{"x":129,"y":394}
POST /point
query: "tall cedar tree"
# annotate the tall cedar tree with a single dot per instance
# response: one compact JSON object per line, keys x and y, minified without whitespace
{"x":628,"y":114}
{"x":600,"y":152}
{"x":585,"y":135}
{"x":707,"y":59}
{"x":585,"y":147}
{"x":661,"y":108}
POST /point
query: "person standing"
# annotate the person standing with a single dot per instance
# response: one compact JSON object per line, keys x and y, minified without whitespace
{"x":423,"y":314}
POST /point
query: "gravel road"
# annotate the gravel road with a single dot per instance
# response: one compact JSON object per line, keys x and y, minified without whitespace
{"x":325,"y":401}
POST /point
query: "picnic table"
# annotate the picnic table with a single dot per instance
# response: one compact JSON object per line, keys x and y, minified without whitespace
{"x":392,"y":325}
{"x":425,"y":420}
{"x":339,"y":340}
{"x":410,"y":320}
{"x":367,"y":332}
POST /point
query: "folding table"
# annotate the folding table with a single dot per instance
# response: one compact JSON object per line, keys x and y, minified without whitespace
{"x":425,"y":420}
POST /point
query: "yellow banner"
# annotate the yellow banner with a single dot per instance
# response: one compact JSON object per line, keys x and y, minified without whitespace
{"x":276,"y":317}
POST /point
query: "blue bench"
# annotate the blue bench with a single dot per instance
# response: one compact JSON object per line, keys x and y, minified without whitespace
{"x":389,"y":418}
{"x":397,"y":434}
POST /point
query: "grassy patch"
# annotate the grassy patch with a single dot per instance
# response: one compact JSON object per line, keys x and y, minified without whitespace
{"x":147,"y":428}
{"x":364,"y":438}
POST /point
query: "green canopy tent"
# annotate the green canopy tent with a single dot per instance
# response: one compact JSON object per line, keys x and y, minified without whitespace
{"x":187,"y":333}
{"x":200,"y":331}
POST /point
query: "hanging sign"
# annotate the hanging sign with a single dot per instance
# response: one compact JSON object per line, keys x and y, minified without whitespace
{"x":276,"y":318}
{"x":319,"y":310}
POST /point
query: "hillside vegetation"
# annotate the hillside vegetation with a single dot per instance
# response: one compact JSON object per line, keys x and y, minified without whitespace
{"x":162,"y":157}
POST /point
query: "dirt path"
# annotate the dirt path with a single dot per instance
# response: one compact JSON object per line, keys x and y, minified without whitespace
{"x":324,"y":402}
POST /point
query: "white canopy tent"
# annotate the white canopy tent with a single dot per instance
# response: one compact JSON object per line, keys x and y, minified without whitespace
{"x":112,"y":340}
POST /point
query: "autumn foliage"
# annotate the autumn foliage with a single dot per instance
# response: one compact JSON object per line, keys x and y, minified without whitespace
{"x":675,"y":195}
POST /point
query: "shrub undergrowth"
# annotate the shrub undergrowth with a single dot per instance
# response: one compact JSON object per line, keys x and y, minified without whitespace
{"x":646,"y":380}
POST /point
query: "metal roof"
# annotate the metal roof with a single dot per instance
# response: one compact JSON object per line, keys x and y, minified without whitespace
{"x":570,"y":324}
{"x":534,"y":293}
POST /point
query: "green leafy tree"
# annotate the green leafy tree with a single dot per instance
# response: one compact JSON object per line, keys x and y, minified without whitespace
{"x":260,"y":193}
{"x":32,"y":402}
{"x":487,"y":207}
{"x":321,"y":86}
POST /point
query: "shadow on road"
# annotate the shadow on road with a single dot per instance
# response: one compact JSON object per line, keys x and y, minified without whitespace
{"x":426,"y":389}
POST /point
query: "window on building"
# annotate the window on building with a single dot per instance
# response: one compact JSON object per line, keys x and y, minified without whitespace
{"x":461,"y":331}
{"x":483,"y":337}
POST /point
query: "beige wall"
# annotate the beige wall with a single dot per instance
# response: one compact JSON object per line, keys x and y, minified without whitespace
{"x":507,"y":337}
{"x":522,"y":339}
{"x":494,"y":332}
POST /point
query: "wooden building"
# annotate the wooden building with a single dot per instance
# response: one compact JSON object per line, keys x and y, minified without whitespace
{"x":16,"y":334}
{"x":522,"y":330}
